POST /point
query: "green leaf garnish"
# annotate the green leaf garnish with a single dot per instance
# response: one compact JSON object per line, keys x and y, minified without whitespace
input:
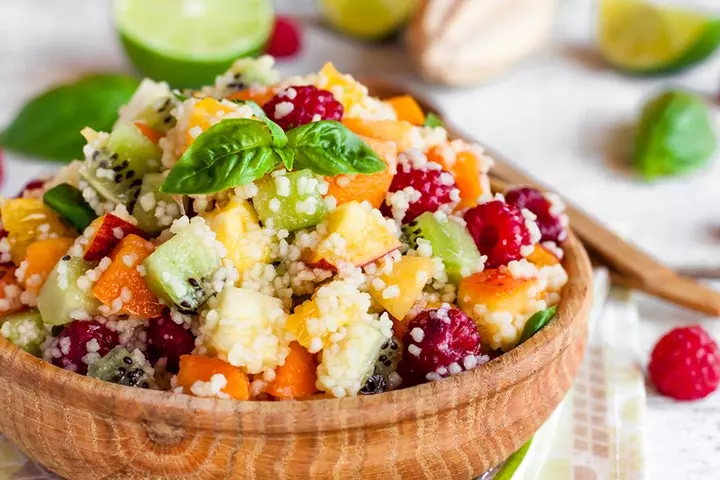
{"x":48,"y":126}
{"x":329,"y":148}
{"x":433,"y":121}
{"x":69,"y":203}
{"x":231,"y":153}
{"x":536,"y":322}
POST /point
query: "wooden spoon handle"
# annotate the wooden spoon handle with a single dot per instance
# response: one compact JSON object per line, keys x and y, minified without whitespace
{"x":632,"y":267}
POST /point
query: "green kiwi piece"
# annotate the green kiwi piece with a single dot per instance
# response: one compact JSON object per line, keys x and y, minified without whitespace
{"x":124,"y":368}
{"x":291,"y":201}
{"x":25,"y":330}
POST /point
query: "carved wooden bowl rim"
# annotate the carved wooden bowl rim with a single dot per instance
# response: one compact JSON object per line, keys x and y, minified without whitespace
{"x":322,"y":414}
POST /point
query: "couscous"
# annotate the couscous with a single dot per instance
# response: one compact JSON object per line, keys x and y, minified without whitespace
{"x":275,"y":239}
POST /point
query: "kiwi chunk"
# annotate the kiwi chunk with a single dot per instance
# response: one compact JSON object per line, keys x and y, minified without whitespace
{"x":124,"y":368}
{"x":180,"y":270}
{"x":68,"y":202}
{"x":450,"y":241}
{"x":61,"y":300}
{"x":291,"y":201}
{"x":155,"y":211}
{"x":26,"y":330}
{"x":116,"y":170}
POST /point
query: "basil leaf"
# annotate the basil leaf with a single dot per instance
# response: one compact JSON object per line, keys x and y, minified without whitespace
{"x":69,"y":203}
{"x":49,"y":125}
{"x":234,"y":152}
{"x":433,"y":121}
{"x":536,"y":322}
{"x":287,"y":156}
{"x":328,"y":148}
{"x":256,"y":109}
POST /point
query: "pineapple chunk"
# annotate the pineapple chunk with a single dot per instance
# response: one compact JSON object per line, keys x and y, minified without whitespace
{"x":204,"y":115}
{"x":344,"y":87}
{"x":247,"y":329}
{"x":357,"y":234}
{"x":28,"y":220}
{"x":333,"y":307}
{"x":346,"y":365}
{"x":398,"y":291}
{"x":237,"y":227}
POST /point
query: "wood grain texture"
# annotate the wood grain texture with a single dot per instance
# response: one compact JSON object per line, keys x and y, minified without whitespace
{"x":455,"y":428}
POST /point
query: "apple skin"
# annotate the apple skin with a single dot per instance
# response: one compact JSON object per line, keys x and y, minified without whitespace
{"x":104,"y":240}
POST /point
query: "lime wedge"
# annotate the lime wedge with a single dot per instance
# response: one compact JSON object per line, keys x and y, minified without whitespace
{"x":188,"y":42}
{"x":641,"y":38}
{"x":367,"y":19}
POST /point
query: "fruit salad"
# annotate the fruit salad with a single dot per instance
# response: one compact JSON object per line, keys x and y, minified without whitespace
{"x":270,"y":239}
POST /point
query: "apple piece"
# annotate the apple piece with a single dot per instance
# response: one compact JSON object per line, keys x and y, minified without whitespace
{"x":108,"y":230}
{"x":357,"y":234}
{"x":398,"y":290}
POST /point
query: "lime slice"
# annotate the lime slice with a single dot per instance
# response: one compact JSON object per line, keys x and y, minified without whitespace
{"x":367,"y":19}
{"x":642,"y":39}
{"x":188,"y":42}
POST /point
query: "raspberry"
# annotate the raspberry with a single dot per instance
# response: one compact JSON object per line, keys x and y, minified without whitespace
{"x":685,"y":364}
{"x":297,"y":106}
{"x":499,"y":232}
{"x":167,"y":339}
{"x":551,"y":224}
{"x":72,"y":344}
{"x":27,"y":190}
{"x":432,"y":188}
{"x":286,"y":40}
{"x":439,"y":343}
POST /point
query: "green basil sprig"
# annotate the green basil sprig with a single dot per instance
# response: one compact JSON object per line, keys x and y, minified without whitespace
{"x":536,"y":322}
{"x":328,"y":148}
{"x":48,"y":126}
{"x":234,"y":152}
{"x":433,"y":121}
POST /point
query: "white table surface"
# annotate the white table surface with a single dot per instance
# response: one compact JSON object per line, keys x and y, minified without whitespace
{"x":561,"y":115}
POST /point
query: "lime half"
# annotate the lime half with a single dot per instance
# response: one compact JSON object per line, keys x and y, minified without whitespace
{"x":367,"y":19}
{"x":188,"y":42}
{"x":643,"y":39}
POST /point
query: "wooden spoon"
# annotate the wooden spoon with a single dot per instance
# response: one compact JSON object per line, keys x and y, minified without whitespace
{"x":630,"y":266}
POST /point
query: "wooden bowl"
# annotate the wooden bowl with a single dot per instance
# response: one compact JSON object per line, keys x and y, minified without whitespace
{"x":455,"y":428}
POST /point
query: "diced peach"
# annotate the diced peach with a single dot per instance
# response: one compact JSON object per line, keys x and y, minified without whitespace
{"x":466,"y":167}
{"x":356,"y":234}
{"x":151,"y":134}
{"x":108,"y":230}
{"x":407,"y":109}
{"x":197,"y":368}
{"x":497,"y":289}
{"x":42,"y":256}
{"x":371,"y":188}
{"x":27,"y":220}
{"x":409,"y":275}
{"x":399,"y":132}
{"x":295,"y":378}
{"x":345,"y":88}
{"x":259,"y":95}
{"x":123,"y":274}
{"x":202,"y":116}
{"x":542,"y":257}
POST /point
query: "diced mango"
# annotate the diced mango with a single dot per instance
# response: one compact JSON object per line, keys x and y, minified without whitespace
{"x":257,"y":94}
{"x":238,"y":228}
{"x":296,"y":377}
{"x":397,"y":131}
{"x":344,"y":87}
{"x":356,"y":234}
{"x":42,"y":256}
{"x":409,"y":275}
{"x":203,"y":116}
{"x":407,"y":109}
{"x":542,"y":257}
{"x":371,"y":188}
{"x":470,"y":175}
{"x":497,"y":289}
{"x":27,"y":220}
{"x":196,"y":368}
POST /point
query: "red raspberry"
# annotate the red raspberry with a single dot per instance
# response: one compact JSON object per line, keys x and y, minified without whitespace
{"x":685,"y":364}
{"x":72,"y":346}
{"x":434,"y":185}
{"x":499,"y":231}
{"x":167,"y":339}
{"x":551,"y":226}
{"x":29,"y":187}
{"x":286,"y":40}
{"x":297,"y":106}
{"x":438,"y":343}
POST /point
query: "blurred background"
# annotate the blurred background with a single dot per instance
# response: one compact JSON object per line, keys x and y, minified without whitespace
{"x":537,"y":81}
